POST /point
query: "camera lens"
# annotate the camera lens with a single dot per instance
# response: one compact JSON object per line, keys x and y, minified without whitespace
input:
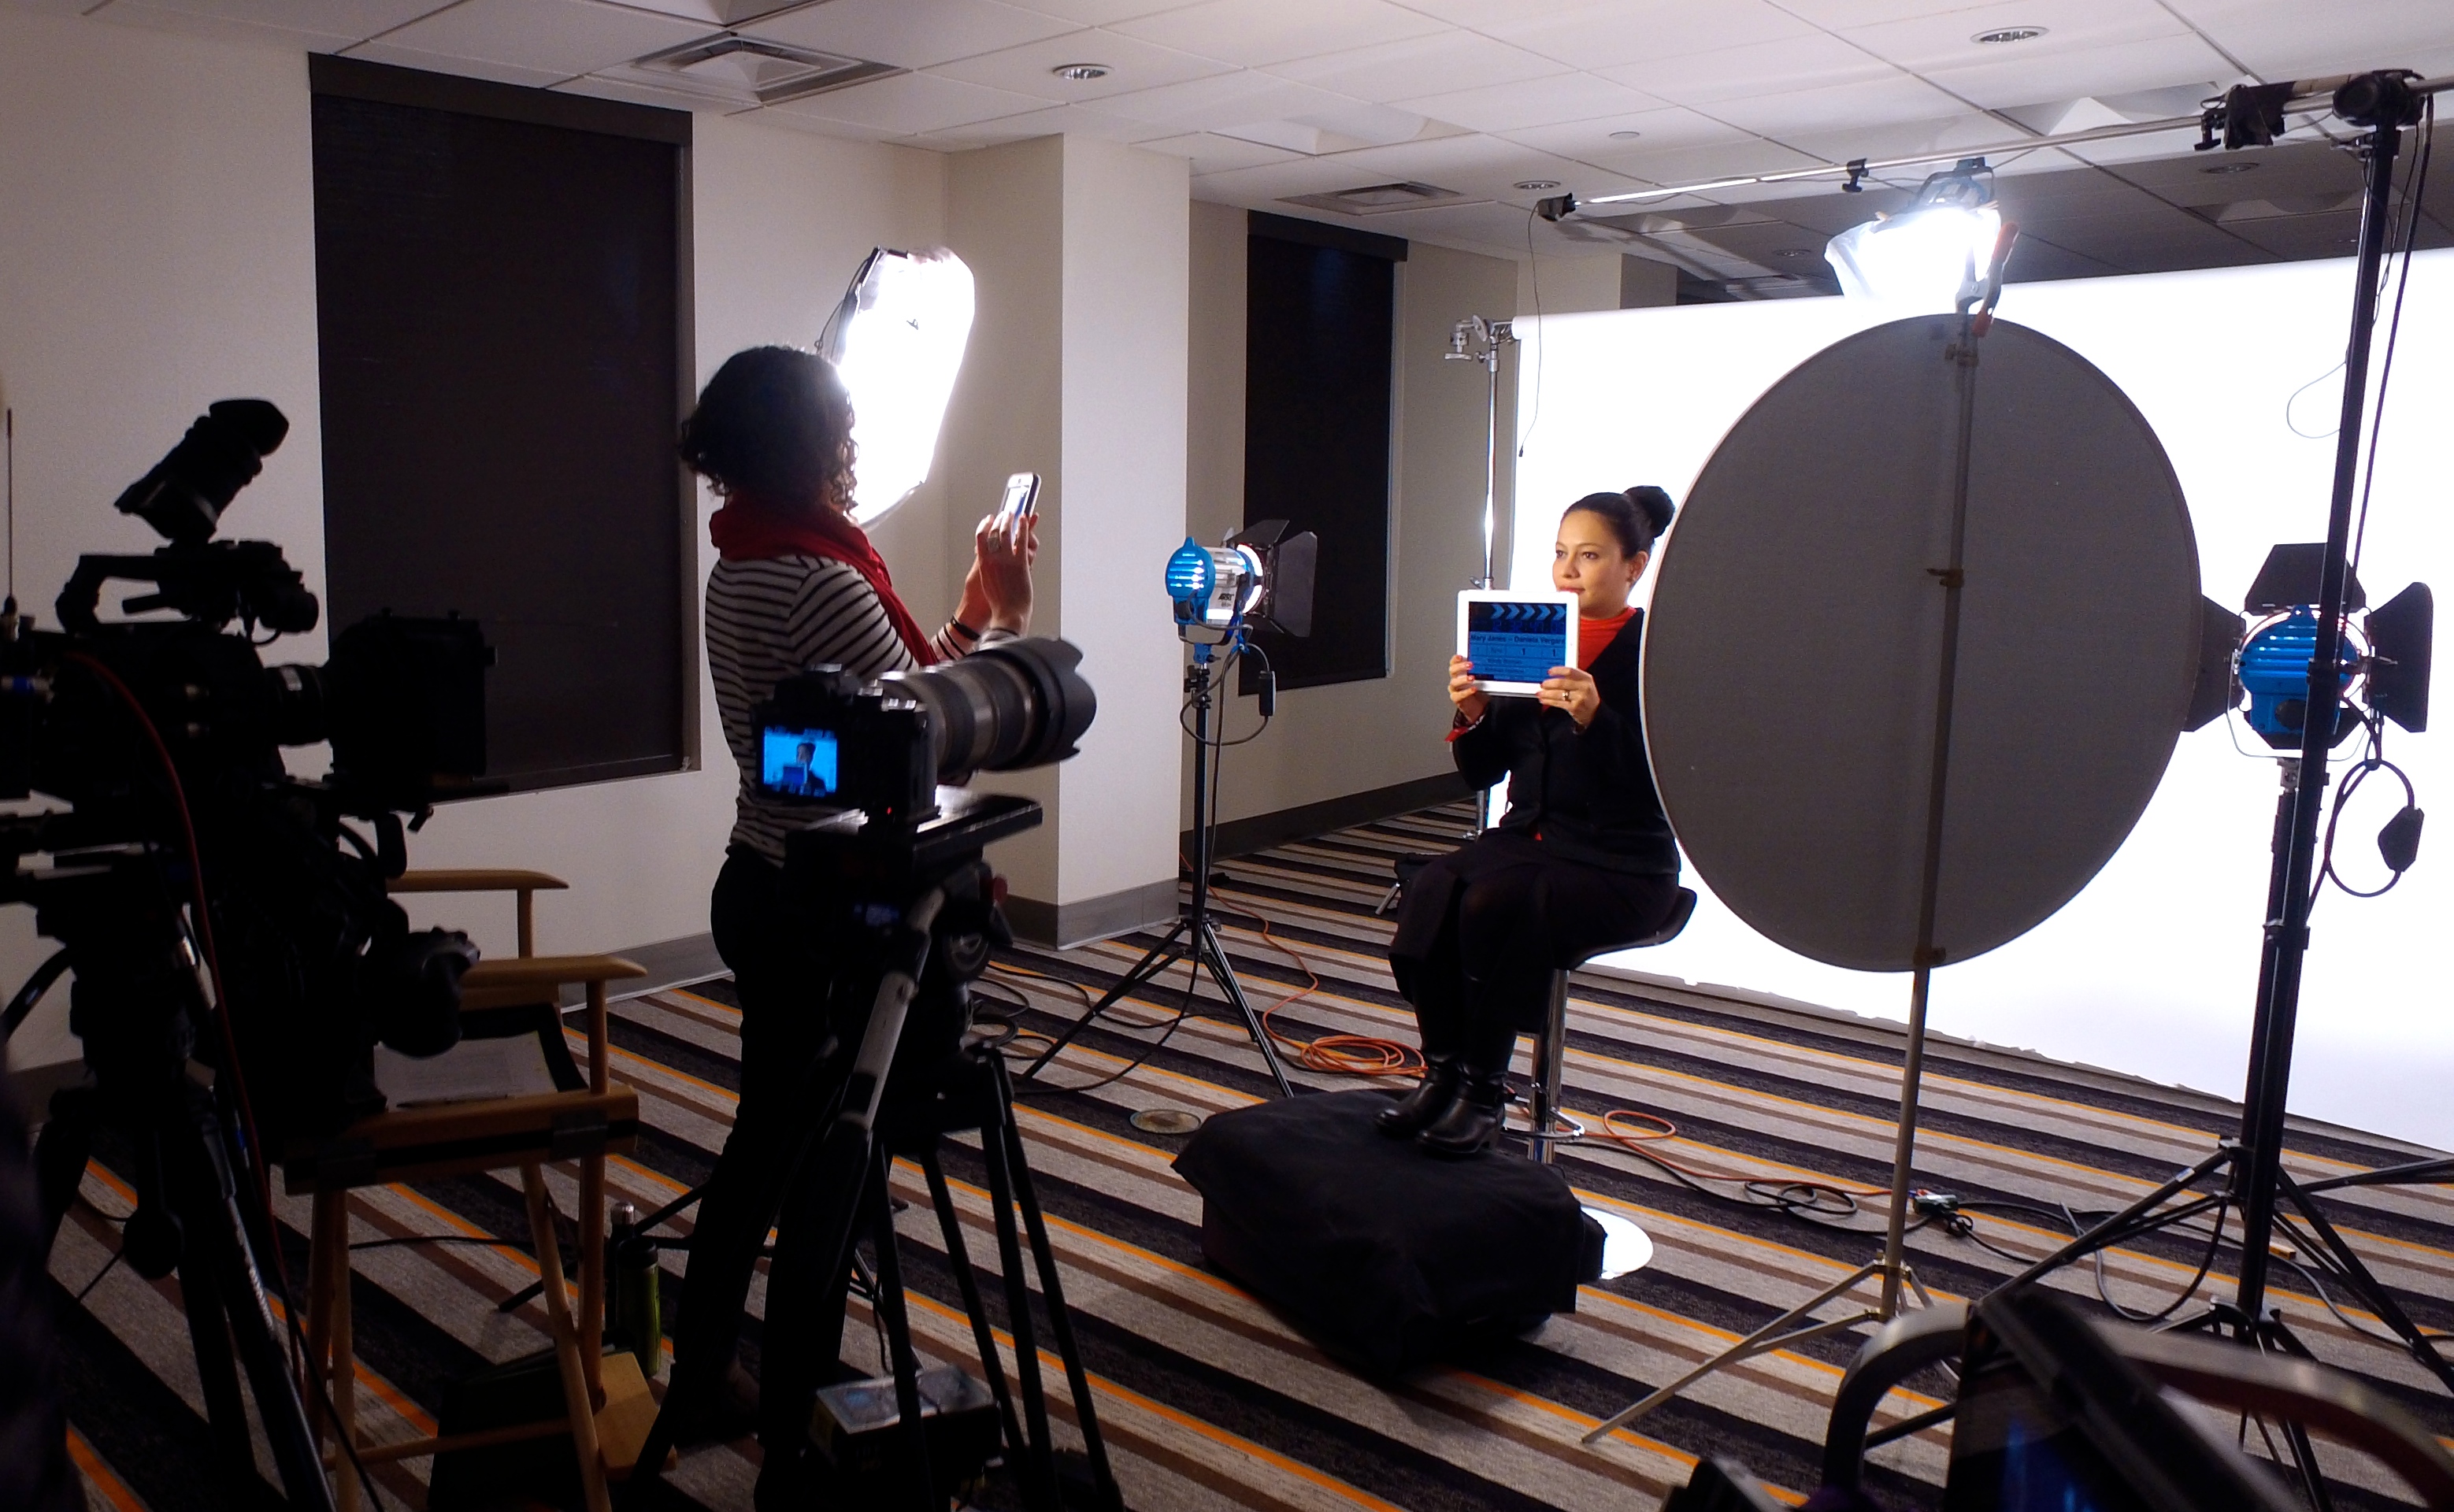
{"x":1017,"y":705}
{"x":185,"y":494}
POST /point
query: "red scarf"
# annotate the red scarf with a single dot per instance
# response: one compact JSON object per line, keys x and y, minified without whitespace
{"x":1595,"y":635}
{"x":750,"y":528}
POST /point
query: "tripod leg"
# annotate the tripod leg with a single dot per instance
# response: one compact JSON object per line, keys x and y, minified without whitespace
{"x":200,"y":1184}
{"x":890,"y":1311}
{"x":1215,"y":956}
{"x":1061,"y":1321}
{"x":959,"y":1256}
{"x":217,"y":1372}
{"x":1158,"y":958}
{"x":61,"y":1151}
{"x":2367,"y":1287}
{"x":1038,"y":1469}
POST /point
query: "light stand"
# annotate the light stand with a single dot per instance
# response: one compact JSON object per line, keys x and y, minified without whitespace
{"x":1477,"y":339}
{"x":2256,"y":1182}
{"x":1194,"y":937}
{"x":1800,"y":1323}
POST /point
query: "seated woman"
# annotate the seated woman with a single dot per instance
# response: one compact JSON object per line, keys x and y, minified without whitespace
{"x":1584,"y":858}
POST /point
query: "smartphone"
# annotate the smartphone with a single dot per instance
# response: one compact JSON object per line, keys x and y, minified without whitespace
{"x":1020,"y":503}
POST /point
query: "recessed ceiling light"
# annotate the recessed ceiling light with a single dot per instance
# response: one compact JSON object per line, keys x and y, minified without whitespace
{"x":1537,"y":185}
{"x":1625,"y":136}
{"x":1798,"y":252}
{"x":2002,"y":35}
{"x":1080,"y":73}
{"x":2228,"y":168}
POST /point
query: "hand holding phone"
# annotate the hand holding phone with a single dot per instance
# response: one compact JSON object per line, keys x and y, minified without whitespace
{"x":1021,"y":502}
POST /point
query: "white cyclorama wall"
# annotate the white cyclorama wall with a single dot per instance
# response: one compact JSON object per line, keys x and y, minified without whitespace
{"x":1352,"y":737}
{"x":2153,"y":968}
{"x":157,"y":252}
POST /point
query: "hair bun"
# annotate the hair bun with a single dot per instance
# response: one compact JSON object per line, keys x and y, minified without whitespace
{"x":1656,"y":504}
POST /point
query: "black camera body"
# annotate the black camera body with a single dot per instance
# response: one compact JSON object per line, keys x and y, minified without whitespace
{"x":164,"y":738}
{"x":883,"y":747}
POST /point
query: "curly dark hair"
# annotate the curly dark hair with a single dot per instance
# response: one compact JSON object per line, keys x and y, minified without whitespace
{"x":1637,"y":515}
{"x":774,"y":421}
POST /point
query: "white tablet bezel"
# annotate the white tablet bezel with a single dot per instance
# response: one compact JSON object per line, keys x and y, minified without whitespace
{"x":1504,"y":595}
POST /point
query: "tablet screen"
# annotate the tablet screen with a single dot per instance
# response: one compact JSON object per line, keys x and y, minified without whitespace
{"x":1514,"y":642}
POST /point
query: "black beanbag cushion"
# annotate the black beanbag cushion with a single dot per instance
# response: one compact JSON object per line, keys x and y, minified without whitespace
{"x":1385,"y":1255}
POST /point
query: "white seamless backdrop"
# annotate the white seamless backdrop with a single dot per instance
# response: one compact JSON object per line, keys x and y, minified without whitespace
{"x":2152,"y":968}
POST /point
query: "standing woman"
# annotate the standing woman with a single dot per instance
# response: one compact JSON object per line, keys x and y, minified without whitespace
{"x":797,"y":584}
{"x":1584,"y":858}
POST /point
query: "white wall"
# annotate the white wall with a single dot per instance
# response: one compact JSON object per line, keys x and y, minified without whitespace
{"x":1355,"y":736}
{"x":2153,"y":968}
{"x":156,"y":253}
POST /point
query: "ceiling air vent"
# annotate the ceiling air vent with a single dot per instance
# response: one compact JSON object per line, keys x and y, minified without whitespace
{"x":1379,"y":199}
{"x":768,"y":71}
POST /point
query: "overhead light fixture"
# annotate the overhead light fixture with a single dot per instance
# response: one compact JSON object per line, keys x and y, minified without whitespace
{"x":1795,"y":251}
{"x":1929,"y":257}
{"x":1536,"y":186}
{"x":898,"y":339}
{"x":1080,"y":73}
{"x":1379,"y":199}
{"x":2228,"y":168}
{"x":1625,"y":136}
{"x":2001,"y":35}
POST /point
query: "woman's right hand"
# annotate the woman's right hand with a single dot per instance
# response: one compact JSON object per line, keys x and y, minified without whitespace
{"x":1471,"y":701}
{"x":1003,"y":561}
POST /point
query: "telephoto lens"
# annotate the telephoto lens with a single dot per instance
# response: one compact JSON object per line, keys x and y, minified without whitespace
{"x":1015,"y":705}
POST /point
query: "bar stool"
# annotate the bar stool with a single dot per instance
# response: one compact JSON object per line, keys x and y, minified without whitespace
{"x":583,"y":1121}
{"x":1544,"y":1131}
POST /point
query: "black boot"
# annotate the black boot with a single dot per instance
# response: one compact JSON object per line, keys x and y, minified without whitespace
{"x":1410,"y":1114}
{"x":1473,"y":1120}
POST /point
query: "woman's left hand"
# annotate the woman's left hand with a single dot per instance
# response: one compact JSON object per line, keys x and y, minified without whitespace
{"x":1001,"y":564}
{"x":1572,"y":691}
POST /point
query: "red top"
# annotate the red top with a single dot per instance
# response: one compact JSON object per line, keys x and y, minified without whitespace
{"x":1594,"y":634}
{"x":751,"y":528}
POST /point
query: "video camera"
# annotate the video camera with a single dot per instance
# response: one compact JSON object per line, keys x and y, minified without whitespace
{"x":164,"y":738}
{"x":884,"y":747}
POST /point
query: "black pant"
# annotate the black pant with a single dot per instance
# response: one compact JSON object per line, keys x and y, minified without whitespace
{"x":793,"y":1057}
{"x":1482,"y":928}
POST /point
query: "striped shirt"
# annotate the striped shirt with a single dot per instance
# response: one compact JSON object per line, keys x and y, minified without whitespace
{"x":768,"y":620}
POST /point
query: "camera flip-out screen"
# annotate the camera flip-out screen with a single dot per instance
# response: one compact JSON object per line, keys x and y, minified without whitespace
{"x":797,"y":763}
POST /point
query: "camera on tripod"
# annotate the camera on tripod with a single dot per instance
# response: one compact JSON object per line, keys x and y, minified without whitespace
{"x":164,"y":737}
{"x":884,"y":747}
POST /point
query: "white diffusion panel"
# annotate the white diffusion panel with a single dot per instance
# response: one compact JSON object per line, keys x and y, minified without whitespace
{"x":2152,"y":968}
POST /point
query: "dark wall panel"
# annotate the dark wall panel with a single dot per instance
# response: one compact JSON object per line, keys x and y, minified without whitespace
{"x":1319,"y":324}
{"x":501,"y":315}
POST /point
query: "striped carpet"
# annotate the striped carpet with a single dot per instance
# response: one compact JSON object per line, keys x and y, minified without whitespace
{"x":1208,"y":1400}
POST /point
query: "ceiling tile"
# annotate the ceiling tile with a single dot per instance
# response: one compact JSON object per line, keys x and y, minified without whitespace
{"x":1102,"y":12}
{"x":2116,"y":69}
{"x":1281,"y":180}
{"x":1055,"y":120}
{"x":199,"y":21}
{"x":2283,"y":39}
{"x":354,"y":19}
{"x":1211,"y":153}
{"x":1756,"y":70}
{"x":909,"y":103}
{"x":1691,"y":165}
{"x":910,"y":34}
{"x":1838,"y":106}
{"x":1532,"y":102}
{"x":1948,"y":40}
{"x":1252,"y":33}
{"x":1658,"y":130}
{"x":717,"y":12}
{"x":1226,"y":99}
{"x":602,"y":87}
{"x":1959,"y":133}
{"x":393,"y":52}
{"x":1133,"y":65}
{"x":1392,"y":71}
{"x":561,"y":38}
{"x":1606,"y":34}
{"x":1834,"y":16}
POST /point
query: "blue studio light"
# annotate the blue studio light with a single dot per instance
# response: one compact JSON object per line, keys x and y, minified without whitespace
{"x":1191,"y":574}
{"x":2275,"y":674}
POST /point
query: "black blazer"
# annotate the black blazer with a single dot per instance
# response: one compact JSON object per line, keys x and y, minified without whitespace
{"x":1586,"y":795}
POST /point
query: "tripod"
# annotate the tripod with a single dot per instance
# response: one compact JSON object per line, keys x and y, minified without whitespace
{"x":1192,"y":937}
{"x":840,"y":1176}
{"x":136,"y":1005}
{"x":2254,"y":1179}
